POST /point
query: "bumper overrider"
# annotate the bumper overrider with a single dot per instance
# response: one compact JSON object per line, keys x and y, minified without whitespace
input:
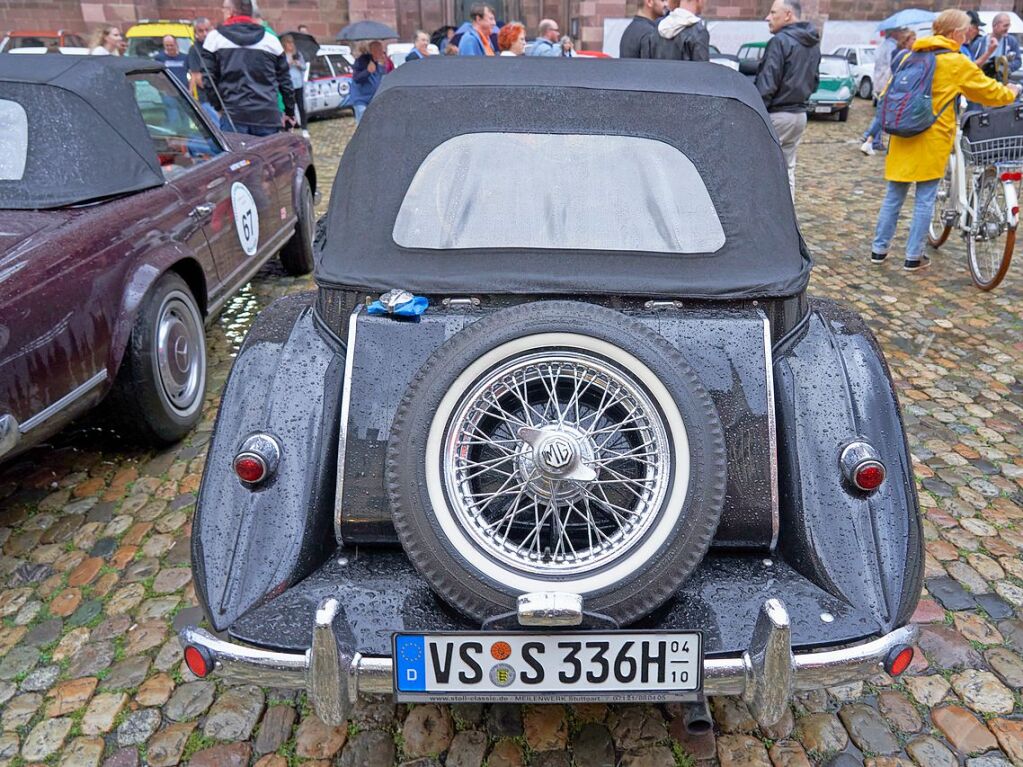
{"x":765,"y":676}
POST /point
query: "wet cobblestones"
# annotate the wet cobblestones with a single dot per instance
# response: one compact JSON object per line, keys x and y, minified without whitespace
{"x":94,"y":577}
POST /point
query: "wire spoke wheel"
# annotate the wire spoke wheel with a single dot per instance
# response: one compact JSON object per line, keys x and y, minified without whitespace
{"x":556,"y":446}
{"x":943,"y":212}
{"x":989,"y":239}
{"x":556,"y":463}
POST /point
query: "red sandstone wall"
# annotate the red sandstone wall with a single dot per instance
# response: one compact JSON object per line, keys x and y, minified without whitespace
{"x":326,"y":17}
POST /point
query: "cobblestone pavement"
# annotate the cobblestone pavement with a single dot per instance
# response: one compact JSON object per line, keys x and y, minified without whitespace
{"x":94,"y":576}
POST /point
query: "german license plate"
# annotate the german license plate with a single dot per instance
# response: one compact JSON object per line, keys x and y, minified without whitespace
{"x":614,"y":667}
{"x":822,"y":110}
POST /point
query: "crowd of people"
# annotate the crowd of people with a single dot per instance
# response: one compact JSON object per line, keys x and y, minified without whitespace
{"x":252,"y":82}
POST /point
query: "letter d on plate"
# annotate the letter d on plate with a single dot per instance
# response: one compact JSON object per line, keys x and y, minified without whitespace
{"x":411,"y":655}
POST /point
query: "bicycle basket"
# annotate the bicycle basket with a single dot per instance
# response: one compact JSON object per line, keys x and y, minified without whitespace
{"x":993,"y":150}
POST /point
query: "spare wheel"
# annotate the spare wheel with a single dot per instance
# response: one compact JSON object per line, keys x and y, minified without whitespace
{"x":556,"y":446}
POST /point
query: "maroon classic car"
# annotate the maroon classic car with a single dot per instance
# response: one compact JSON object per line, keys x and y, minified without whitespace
{"x":126,"y":221}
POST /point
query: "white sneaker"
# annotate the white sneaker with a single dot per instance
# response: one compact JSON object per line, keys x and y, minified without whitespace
{"x":305,"y":134}
{"x":867,"y":147}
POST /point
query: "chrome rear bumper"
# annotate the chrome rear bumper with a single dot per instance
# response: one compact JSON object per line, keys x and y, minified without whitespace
{"x":765,"y":676}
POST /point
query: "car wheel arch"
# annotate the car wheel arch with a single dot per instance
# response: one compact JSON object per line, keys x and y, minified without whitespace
{"x":307,"y":173}
{"x":140,"y":280}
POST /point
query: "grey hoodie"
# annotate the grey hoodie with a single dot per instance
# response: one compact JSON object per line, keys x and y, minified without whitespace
{"x":681,"y":36}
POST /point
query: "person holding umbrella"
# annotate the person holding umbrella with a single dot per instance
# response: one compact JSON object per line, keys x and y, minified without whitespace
{"x":371,"y":63}
{"x":367,"y":72}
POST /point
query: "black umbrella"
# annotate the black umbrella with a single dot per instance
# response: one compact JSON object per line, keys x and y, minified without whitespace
{"x":366,"y":30}
{"x":306,"y":45}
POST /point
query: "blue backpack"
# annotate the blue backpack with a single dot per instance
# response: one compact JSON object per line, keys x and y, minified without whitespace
{"x":907,"y":108}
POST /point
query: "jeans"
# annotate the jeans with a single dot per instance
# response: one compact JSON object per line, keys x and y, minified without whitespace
{"x":889,"y":216}
{"x":207,"y":107}
{"x":359,"y":109}
{"x":789,"y":127}
{"x":250,"y":130}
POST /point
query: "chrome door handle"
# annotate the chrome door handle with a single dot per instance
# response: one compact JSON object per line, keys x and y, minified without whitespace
{"x":203,"y":210}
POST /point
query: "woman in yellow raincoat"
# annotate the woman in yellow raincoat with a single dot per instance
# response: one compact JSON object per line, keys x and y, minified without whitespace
{"x":921,"y":159}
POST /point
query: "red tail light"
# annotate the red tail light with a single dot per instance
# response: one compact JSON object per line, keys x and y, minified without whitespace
{"x":1015,"y":210}
{"x":257,"y":459}
{"x":898,"y":660}
{"x":1012,"y":176}
{"x":250,"y":468}
{"x":862,"y":466}
{"x":869,"y":476}
{"x":198,"y":661}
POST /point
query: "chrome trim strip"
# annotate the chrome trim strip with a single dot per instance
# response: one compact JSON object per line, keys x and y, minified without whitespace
{"x":761,"y":675}
{"x":63,"y":402}
{"x":772,"y":429}
{"x":346,"y":395}
{"x":248,"y":664}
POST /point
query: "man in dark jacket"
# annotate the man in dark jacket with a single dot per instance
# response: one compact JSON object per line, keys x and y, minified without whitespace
{"x":248,"y":69}
{"x":681,"y":35}
{"x":643,"y":24}
{"x":787,"y":75}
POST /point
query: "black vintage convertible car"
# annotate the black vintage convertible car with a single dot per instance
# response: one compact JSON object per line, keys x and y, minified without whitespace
{"x":621,"y":455}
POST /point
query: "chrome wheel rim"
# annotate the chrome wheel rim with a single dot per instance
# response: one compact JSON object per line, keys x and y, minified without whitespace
{"x":180,"y":352}
{"x":556,"y":463}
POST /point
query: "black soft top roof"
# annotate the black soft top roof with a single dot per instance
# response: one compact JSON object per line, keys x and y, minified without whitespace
{"x":710,"y":114}
{"x":86,"y":137}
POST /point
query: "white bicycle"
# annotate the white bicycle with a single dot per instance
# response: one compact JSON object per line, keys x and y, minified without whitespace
{"x":979,"y":197}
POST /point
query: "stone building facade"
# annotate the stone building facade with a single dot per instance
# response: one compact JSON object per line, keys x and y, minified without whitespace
{"x":583,"y":18}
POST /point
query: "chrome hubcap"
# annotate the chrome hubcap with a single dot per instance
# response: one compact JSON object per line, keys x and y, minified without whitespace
{"x":556,"y":462}
{"x":553,"y":453}
{"x":179,"y":353}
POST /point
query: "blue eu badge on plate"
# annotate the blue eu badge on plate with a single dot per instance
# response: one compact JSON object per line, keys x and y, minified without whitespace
{"x":411,"y":656}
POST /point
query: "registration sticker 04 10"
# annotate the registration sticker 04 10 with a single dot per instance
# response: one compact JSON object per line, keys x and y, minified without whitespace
{"x":610,"y":666}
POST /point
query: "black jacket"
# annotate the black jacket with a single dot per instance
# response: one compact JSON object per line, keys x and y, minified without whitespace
{"x":690,"y":44}
{"x":248,"y":67}
{"x":789,"y":71}
{"x":631,"y":46}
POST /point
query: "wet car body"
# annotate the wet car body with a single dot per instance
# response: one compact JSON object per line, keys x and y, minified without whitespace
{"x":319,"y":570}
{"x":80,"y":251}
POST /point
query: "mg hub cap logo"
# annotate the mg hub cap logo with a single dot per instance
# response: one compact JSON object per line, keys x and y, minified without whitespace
{"x":556,"y":453}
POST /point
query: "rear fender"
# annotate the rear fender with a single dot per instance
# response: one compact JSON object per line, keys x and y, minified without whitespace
{"x":138,"y":283}
{"x":248,"y":545}
{"x":833,"y":386}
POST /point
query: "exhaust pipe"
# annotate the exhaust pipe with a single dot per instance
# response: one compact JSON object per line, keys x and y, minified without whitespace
{"x":696,"y":718}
